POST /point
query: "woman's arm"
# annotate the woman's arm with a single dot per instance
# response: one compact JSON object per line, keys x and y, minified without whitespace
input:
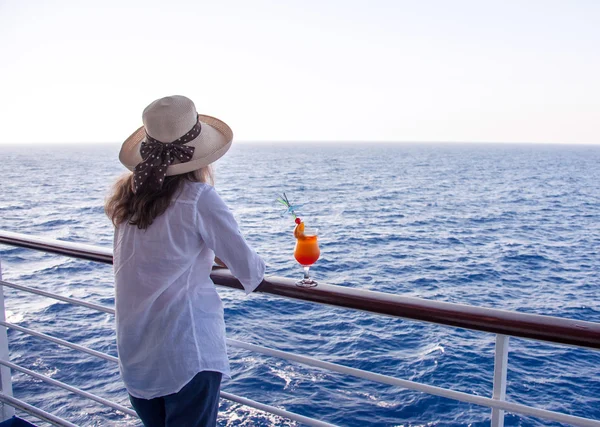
{"x":221,"y":233}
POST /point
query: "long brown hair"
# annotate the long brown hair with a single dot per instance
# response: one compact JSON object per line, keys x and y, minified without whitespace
{"x":141,"y":209}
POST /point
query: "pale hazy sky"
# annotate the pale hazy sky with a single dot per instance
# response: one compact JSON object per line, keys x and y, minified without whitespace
{"x":454,"y":70}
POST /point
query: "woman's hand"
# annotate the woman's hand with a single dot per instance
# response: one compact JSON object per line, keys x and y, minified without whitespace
{"x":220,"y":263}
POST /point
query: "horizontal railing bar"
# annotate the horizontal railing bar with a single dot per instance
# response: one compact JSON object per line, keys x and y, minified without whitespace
{"x":70,"y":388}
{"x":59,"y":297}
{"x":412,"y":385}
{"x":75,"y":250}
{"x":276,"y":411}
{"x":36,"y":412}
{"x":385,"y":379}
{"x":531,"y":326}
{"x":545,"y":328}
{"x":60,"y":341}
{"x":451,"y":394}
{"x":229,"y":396}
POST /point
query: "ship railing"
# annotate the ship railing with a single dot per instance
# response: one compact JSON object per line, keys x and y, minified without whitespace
{"x":502,"y":323}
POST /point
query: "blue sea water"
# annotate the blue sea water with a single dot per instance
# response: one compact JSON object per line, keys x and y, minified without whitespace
{"x":505,"y":226}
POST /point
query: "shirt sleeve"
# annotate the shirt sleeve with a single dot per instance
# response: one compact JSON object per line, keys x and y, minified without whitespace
{"x":221,"y":233}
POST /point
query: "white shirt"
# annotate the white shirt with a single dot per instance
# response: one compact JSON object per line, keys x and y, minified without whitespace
{"x":169,"y":315}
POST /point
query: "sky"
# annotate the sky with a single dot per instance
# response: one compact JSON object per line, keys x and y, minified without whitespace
{"x":374,"y":70}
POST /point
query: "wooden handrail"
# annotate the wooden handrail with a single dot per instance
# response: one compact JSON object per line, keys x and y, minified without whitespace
{"x":533,"y":326}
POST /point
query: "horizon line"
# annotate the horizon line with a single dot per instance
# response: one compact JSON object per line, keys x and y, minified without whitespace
{"x":314,"y":141}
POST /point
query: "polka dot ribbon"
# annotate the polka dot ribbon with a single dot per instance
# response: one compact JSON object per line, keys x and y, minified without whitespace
{"x":158,"y":156}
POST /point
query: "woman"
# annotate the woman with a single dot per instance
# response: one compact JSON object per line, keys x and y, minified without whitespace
{"x":169,"y":225}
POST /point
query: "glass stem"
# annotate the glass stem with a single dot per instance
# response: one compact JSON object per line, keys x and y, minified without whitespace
{"x":306,"y":276}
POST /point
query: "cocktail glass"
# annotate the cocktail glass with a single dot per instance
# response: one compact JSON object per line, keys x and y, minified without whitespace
{"x":307,"y":253}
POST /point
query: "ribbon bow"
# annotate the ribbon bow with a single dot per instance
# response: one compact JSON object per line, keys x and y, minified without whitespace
{"x":158,"y":156}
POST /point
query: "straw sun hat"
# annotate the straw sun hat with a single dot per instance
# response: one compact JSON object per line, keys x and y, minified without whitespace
{"x":175,"y":139}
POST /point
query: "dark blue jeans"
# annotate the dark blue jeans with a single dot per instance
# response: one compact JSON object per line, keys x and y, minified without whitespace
{"x":195,"y":405}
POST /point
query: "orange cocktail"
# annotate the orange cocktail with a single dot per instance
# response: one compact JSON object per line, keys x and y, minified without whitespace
{"x":307,"y":250}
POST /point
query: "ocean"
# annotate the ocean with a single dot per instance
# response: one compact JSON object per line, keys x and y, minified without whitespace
{"x":511,"y":226}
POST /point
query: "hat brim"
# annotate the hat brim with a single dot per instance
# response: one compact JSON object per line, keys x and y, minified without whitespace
{"x":213,"y":142}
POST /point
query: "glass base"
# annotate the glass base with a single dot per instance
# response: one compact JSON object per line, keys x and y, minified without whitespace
{"x":307,"y":283}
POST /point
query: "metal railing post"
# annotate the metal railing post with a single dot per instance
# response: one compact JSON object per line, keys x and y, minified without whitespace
{"x":500,"y":368}
{"x":6,"y":411}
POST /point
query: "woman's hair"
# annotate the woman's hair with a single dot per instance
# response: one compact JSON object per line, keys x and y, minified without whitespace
{"x":141,"y":209}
